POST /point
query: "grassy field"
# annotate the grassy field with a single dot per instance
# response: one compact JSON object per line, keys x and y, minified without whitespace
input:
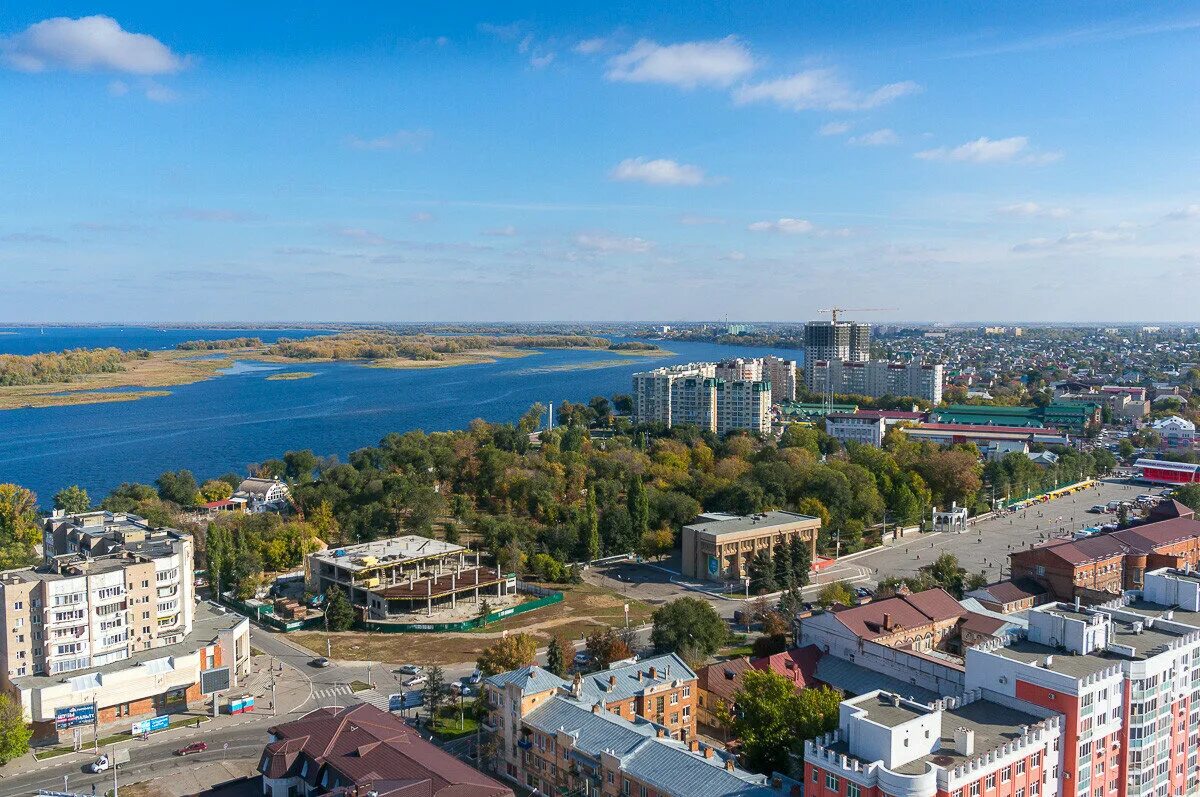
{"x":585,"y":608}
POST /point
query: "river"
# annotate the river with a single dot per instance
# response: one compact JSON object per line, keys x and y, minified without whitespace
{"x":239,"y":418}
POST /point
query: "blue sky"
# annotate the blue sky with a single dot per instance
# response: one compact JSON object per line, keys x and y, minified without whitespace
{"x":550,"y":161}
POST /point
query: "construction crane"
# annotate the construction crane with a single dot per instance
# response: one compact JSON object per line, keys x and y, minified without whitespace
{"x":833,"y":311}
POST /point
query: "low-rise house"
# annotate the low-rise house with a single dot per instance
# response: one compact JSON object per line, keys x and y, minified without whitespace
{"x":1010,"y":595}
{"x":717,"y":684}
{"x":1176,"y":432}
{"x":362,"y":750}
{"x":263,"y":495}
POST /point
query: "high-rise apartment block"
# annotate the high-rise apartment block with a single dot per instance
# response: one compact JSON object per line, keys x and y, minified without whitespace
{"x":110,"y":585}
{"x":719,"y":397}
{"x":782,"y":375}
{"x":835,"y":340}
{"x":875,"y":378}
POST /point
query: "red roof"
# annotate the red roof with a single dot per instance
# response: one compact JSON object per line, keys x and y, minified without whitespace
{"x":799,"y":665}
{"x":985,"y":428}
{"x":902,"y":611}
{"x":1148,"y":537}
{"x":365,"y":746}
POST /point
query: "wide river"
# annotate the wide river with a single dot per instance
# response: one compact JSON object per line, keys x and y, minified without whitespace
{"x":228,"y":422}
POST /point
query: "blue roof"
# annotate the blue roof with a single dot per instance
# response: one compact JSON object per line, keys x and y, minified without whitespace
{"x":663,"y":763}
{"x":667,"y":668}
{"x":532,"y":679}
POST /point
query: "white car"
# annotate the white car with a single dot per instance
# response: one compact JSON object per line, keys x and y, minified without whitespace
{"x":409,"y":669}
{"x":101,"y":764}
{"x":416,"y":682}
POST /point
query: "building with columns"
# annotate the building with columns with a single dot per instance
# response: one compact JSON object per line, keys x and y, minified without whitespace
{"x":403,"y":576}
{"x":720,"y":547}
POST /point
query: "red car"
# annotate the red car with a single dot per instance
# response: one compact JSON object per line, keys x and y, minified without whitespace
{"x":194,"y":747}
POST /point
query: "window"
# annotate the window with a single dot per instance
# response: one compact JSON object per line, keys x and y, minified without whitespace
{"x":1006,"y":775}
{"x":991,"y":781}
{"x":831,"y":781}
{"x":975,"y":789}
{"x":1020,"y":767}
{"x":18,"y":605}
{"x":853,"y":790}
{"x":1021,"y":792}
{"x":816,"y":774}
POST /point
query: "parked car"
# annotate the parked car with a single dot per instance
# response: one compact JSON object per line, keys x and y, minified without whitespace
{"x":863,"y":592}
{"x":194,"y":747}
{"x":321,"y":662}
{"x":416,"y":682}
{"x":409,"y":669}
{"x":101,"y":764}
{"x":1099,"y":509}
{"x":474,"y":678}
{"x":460,"y":689}
{"x":582,"y":659}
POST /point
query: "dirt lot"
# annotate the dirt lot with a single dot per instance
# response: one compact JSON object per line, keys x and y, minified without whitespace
{"x":585,"y":607}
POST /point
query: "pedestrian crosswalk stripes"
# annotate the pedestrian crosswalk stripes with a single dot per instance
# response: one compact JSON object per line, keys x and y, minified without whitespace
{"x":328,"y":694}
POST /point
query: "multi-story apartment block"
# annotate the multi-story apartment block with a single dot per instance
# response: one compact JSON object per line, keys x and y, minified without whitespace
{"x":876,"y":378}
{"x":973,"y":746}
{"x":1125,"y":678}
{"x":781,"y":374}
{"x":866,"y":426}
{"x":112,"y":594}
{"x":586,"y":736}
{"x":110,"y":585}
{"x":698,"y":394}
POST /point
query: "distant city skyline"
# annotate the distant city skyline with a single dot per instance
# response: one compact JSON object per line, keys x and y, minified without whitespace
{"x":534,"y":162}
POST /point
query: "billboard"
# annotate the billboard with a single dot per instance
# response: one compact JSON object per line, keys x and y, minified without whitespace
{"x":150,"y":725}
{"x":217,"y":680}
{"x":240,"y":705}
{"x":74,"y":716}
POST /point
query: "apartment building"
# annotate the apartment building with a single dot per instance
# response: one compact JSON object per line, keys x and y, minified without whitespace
{"x":782,"y":374}
{"x":1124,"y":676}
{"x":697,"y":394}
{"x":835,"y":340}
{"x":110,"y":585}
{"x":973,"y":746}
{"x":573,"y":737}
{"x":876,"y":378}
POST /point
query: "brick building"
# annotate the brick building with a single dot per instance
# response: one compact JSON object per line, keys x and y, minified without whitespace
{"x":720,"y":547}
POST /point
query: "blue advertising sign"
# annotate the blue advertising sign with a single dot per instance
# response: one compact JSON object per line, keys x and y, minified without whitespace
{"x":74,"y":716}
{"x":151,"y":725}
{"x":713,"y":565}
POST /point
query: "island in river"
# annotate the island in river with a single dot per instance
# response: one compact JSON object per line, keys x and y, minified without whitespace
{"x":88,"y":376}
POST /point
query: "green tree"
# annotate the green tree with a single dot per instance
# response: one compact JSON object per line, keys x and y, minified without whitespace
{"x":623,"y":403}
{"x":638,"y":504}
{"x":764,"y":723}
{"x":177,"y":486}
{"x":836,"y":592}
{"x":19,"y":530}
{"x":656,"y":543}
{"x":435,"y":689}
{"x":556,"y":657}
{"x":14,"y":733}
{"x":762,"y":573}
{"x":606,"y":646}
{"x":339,"y":613}
{"x":591,"y":527}
{"x":510,"y":653}
{"x":325,"y":524}
{"x":947,"y":573}
{"x":216,"y":556}
{"x":1188,"y":495}
{"x":800,"y":553}
{"x":299,"y":465}
{"x":215,"y":490}
{"x":128,"y":497}
{"x":72,"y":500}
{"x":688,"y":623}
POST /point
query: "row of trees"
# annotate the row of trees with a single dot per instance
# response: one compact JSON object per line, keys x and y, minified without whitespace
{"x":63,"y":366}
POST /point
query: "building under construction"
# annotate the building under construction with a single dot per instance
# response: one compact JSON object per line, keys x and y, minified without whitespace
{"x":403,"y":576}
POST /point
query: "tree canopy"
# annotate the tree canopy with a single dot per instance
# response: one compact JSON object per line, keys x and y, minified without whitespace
{"x":688,"y":625}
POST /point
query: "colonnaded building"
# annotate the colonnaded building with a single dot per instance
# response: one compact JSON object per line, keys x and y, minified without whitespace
{"x":720,"y":547}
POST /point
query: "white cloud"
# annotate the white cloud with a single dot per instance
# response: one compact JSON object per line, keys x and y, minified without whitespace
{"x":793,"y":226}
{"x":660,"y":171}
{"x":592,"y":46}
{"x":156,"y":92}
{"x":834,"y":128}
{"x":422,"y":217}
{"x":87,"y":44}
{"x":735,"y":256}
{"x":1033,"y":210}
{"x":541,"y":61}
{"x":507,"y":231}
{"x":798,"y":227}
{"x":876,"y":138}
{"x":1184,"y":213}
{"x":718,"y":62}
{"x":987,"y":150}
{"x":118,"y":88}
{"x":820,"y":89}
{"x":610,"y":244}
{"x":1085,"y":239}
{"x":407,"y":140}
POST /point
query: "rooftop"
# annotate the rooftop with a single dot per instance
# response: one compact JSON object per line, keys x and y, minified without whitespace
{"x":395,"y":550}
{"x":717,"y":524}
{"x":633,"y":679}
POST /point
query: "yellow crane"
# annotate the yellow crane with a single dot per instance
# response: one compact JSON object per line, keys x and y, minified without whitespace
{"x":833,"y":311}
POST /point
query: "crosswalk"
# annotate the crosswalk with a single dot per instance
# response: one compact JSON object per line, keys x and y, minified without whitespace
{"x":342,"y":694}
